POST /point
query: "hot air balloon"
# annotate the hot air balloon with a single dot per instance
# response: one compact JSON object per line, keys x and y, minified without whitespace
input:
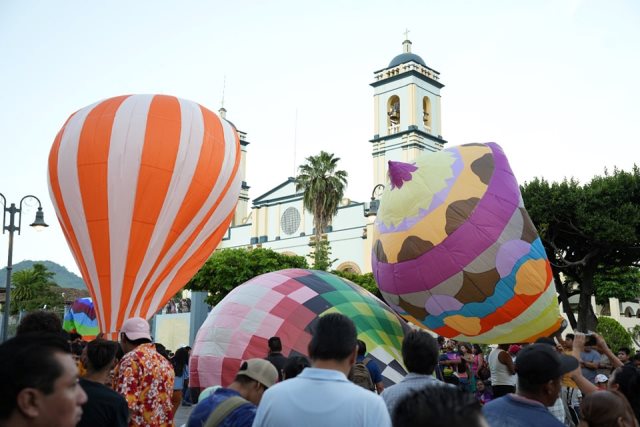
{"x":287,"y":304}
{"x":456,"y":252}
{"x":144,"y":187}
{"x":81,"y":318}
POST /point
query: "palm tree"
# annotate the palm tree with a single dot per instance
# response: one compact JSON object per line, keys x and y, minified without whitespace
{"x":323,"y":188}
{"x":33,"y":289}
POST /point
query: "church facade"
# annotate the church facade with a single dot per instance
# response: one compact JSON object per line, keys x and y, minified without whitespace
{"x":407,"y":121}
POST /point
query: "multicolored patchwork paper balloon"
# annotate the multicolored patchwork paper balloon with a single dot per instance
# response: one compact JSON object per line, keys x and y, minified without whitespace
{"x":81,"y":318}
{"x":144,"y":187}
{"x":287,"y":304}
{"x":455,"y":250}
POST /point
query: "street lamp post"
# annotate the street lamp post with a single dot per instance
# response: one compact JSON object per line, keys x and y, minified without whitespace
{"x":11,"y":228}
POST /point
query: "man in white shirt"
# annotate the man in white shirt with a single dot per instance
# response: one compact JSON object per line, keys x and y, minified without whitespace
{"x":322,"y":395}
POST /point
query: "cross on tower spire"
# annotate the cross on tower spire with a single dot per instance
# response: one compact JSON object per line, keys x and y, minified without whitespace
{"x":406,"y":44}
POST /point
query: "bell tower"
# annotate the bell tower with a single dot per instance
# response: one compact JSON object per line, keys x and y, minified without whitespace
{"x":407,"y":118}
{"x":242,"y":208}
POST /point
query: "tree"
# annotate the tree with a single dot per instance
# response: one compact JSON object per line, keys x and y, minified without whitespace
{"x":34,"y":289}
{"x":615,"y":335}
{"x":366,"y":281}
{"x":321,"y":255}
{"x":635,"y":334}
{"x":618,"y":282}
{"x":228,"y":268}
{"x":323,"y":186}
{"x":586,"y":229}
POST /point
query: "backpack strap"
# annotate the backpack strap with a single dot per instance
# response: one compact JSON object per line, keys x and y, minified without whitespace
{"x":223,"y":410}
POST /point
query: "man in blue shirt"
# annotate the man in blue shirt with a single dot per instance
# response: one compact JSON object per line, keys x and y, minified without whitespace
{"x":322,"y":395}
{"x":254,"y":377}
{"x":539,"y":369}
{"x":374,"y":370}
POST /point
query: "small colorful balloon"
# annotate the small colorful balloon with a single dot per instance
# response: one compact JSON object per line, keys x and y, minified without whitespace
{"x":81,"y":319}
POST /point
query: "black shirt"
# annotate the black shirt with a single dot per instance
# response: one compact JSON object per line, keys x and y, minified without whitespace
{"x":104,"y":406}
{"x":277,"y":360}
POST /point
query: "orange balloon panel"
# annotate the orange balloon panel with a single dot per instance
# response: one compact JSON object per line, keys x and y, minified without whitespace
{"x":144,"y":187}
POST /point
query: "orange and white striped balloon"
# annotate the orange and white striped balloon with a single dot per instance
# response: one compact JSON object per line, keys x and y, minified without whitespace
{"x":144,"y":187}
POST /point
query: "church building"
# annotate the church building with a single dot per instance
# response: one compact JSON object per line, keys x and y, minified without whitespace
{"x":407,"y":121}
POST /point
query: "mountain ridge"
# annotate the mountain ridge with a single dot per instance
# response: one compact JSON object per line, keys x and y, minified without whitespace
{"x":62,"y":277}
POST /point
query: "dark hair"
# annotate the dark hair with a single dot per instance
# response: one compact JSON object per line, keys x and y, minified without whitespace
{"x":180,"y":360}
{"x":77,"y":348}
{"x":28,"y":360}
{"x":275,"y":344}
{"x":532,"y":385}
{"x":628,"y":379}
{"x":625,"y":350}
{"x":420,"y":352}
{"x":569,"y":337}
{"x":293,"y":366}
{"x":334,"y":338}
{"x":137,"y":342}
{"x":40,"y":321}
{"x":162,"y":350}
{"x":477,"y":348}
{"x":636,"y":356}
{"x":101,"y":353}
{"x":74,"y":336}
{"x":362,"y":348}
{"x":438,"y":406}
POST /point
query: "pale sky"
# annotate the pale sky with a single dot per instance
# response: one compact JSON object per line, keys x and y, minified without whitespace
{"x":554,"y":82}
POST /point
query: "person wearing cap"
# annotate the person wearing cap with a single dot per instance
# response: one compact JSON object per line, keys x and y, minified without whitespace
{"x":602,"y":381}
{"x":539,"y":368}
{"x":275,"y":355}
{"x":235,"y":405}
{"x":322,"y":395}
{"x":144,"y":377}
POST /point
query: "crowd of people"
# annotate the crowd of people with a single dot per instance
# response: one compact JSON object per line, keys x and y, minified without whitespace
{"x":51,"y":378}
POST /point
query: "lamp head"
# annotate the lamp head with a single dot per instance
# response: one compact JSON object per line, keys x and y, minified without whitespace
{"x":39,"y":223}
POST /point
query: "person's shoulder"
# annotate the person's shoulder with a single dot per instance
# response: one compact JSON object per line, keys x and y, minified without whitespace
{"x":500,"y":402}
{"x":101,"y":393}
{"x":205,"y":407}
{"x":359,"y":393}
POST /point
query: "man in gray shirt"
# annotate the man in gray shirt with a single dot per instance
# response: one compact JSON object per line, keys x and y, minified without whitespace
{"x":420,"y":356}
{"x":590,"y":361}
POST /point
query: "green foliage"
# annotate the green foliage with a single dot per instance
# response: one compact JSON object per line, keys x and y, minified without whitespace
{"x":321,"y":256}
{"x":34,"y":289}
{"x":635,"y":334}
{"x":323,"y":187}
{"x":618,"y":282}
{"x":614,"y":333}
{"x":587,"y":229}
{"x":228,"y":268}
{"x":364,"y":280}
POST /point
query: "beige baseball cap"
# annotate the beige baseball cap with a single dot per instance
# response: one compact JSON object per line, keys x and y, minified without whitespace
{"x":260,"y":370}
